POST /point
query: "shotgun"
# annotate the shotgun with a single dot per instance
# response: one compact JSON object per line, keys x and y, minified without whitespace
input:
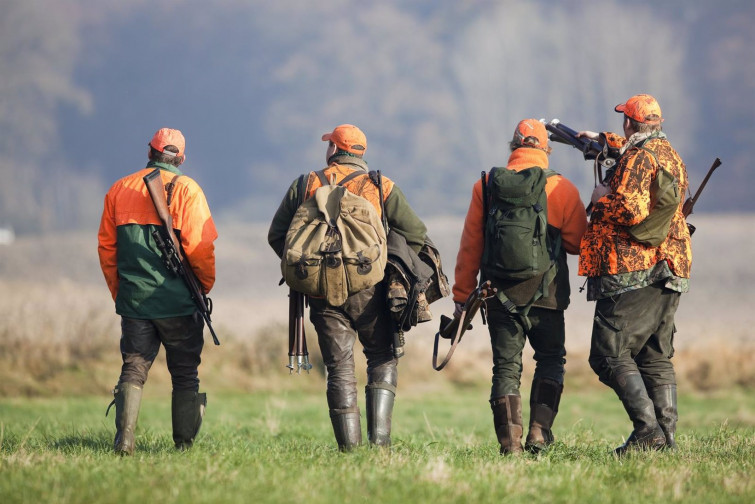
{"x":689,"y":205}
{"x":175,"y":261}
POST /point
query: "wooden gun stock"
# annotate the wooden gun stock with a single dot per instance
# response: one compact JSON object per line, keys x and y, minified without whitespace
{"x":690,"y":203}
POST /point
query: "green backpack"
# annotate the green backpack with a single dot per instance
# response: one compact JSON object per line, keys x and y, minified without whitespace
{"x":518,"y":246}
{"x":335,"y":245}
{"x":664,"y":202}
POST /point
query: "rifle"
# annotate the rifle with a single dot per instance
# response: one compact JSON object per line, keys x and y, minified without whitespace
{"x":297,"y":341}
{"x":690,"y":203}
{"x":455,"y":328}
{"x":590,"y":149}
{"x":170,"y":247}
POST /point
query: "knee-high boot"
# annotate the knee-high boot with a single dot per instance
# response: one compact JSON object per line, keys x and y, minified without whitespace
{"x":187,"y":411}
{"x":507,"y":420}
{"x":544,"y":400}
{"x":647,"y":434}
{"x":347,"y":427}
{"x":380,"y":398}
{"x":127,"y":398}
{"x":664,"y":401}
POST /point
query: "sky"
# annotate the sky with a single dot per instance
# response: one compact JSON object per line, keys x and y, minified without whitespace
{"x":437,"y":86}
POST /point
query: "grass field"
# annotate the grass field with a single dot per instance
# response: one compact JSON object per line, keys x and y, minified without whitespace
{"x":59,"y":359}
{"x":280,"y":448}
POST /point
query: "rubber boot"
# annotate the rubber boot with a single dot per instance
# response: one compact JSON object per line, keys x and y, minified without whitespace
{"x":664,"y":401}
{"x":187,"y":411}
{"x":380,"y":398}
{"x":347,"y":428}
{"x":127,"y":398}
{"x":647,"y":434}
{"x":507,"y":419}
{"x":544,"y":400}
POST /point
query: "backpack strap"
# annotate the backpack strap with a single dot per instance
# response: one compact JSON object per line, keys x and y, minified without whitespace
{"x":377,"y":178}
{"x":301,"y":188}
{"x":351,"y":176}
{"x":323,"y":178}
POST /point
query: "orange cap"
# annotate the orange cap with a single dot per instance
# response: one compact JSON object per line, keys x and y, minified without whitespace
{"x":530,"y":133}
{"x":347,"y":137}
{"x":642,"y":108}
{"x":167,"y":136}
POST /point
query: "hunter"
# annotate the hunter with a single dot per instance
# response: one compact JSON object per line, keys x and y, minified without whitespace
{"x":363,"y":315}
{"x":516,"y":314}
{"x":637,"y":286}
{"x":155,"y":306}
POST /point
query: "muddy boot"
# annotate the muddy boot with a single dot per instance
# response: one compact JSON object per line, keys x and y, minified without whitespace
{"x":544,"y":400}
{"x":380,"y":398}
{"x":127,"y":399}
{"x":507,"y":419}
{"x":187,"y":411}
{"x":647,"y":434}
{"x":347,"y":427}
{"x":664,"y":401}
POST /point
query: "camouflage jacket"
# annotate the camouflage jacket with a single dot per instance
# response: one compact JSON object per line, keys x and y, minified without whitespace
{"x":607,"y":248}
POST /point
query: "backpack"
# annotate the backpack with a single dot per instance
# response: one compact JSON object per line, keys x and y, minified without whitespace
{"x":518,"y":246}
{"x":335,"y":245}
{"x":664,"y":202}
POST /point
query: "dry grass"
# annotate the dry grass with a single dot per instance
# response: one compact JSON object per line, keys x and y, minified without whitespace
{"x":59,"y":333}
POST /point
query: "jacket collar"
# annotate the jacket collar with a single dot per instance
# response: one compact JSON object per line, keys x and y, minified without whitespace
{"x":345,"y":159}
{"x":524,"y":157}
{"x":164,"y":166}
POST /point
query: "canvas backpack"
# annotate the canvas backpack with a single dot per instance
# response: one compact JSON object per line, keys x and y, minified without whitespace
{"x":665,"y":198}
{"x":518,"y":246}
{"x":335,"y":245}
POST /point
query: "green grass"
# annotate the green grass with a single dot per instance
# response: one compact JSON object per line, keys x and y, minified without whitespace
{"x":268,"y":448}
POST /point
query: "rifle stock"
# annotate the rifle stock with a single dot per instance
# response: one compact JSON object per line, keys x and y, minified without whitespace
{"x":175,"y":261}
{"x":689,"y":205}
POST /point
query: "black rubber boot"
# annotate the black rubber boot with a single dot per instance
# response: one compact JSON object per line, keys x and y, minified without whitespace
{"x":544,"y":401}
{"x":187,"y":411}
{"x":127,"y":398}
{"x":647,"y":434}
{"x":664,"y":401}
{"x":380,"y":398}
{"x":347,"y":427}
{"x":507,"y":420}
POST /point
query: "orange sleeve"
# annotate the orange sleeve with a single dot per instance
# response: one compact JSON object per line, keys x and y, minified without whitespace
{"x":198,"y":233}
{"x":470,"y":248}
{"x":107,"y":246}
{"x":566,"y":212}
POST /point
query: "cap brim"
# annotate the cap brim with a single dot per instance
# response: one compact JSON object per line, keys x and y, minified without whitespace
{"x":620,"y":107}
{"x":326,"y":137}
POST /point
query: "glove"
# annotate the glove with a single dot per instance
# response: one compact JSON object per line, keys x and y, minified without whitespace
{"x":458,"y":308}
{"x":599,"y":191}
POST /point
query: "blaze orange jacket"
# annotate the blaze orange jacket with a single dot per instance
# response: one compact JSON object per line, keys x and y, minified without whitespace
{"x":607,"y":248}
{"x":139,"y":281}
{"x":566,"y":212}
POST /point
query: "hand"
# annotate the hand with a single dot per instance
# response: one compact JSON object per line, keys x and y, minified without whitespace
{"x":599,"y":191}
{"x":588,"y":134}
{"x":458,"y":308}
